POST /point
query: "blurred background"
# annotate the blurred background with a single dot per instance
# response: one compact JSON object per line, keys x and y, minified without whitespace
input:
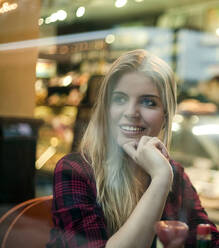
{"x":53,"y":56}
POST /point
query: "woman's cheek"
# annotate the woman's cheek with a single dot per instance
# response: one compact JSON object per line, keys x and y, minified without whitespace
{"x":156,"y":121}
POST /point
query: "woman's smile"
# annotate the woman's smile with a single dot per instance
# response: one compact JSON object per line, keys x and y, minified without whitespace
{"x":132,"y":130}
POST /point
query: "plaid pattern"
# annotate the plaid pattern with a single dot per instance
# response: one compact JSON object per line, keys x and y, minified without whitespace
{"x":183,"y":204}
{"x":79,"y":220}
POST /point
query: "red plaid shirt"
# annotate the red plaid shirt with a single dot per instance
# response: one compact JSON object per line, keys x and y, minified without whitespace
{"x":79,"y":219}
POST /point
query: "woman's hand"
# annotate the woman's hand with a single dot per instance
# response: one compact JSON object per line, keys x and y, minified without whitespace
{"x":151,"y":154}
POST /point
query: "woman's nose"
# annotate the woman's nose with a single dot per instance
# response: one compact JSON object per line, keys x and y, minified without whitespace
{"x":132,"y":110}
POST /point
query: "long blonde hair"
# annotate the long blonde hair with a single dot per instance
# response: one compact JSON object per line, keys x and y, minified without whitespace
{"x":118,"y":187}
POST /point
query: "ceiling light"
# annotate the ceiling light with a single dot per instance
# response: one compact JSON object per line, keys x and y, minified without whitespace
{"x":110,"y":38}
{"x":6,"y":7}
{"x":217,"y":31}
{"x":40,"y":21}
{"x":54,"y":17}
{"x":61,"y":15}
{"x":48,"y":20}
{"x":120,"y":3}
{"x":80,"y":11}
{"x":139,"y":1}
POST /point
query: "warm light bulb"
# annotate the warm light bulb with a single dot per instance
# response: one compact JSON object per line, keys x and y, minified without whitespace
{"x":67,"y":80}
{"x":54,"y":141}
{"x":40,"y":21}
{"x":8,"y":7}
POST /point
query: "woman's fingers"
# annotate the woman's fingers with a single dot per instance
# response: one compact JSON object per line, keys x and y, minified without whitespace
{"x":144,"y":140}
{"x":160,"y":146}
{"x":131,"y":147}
{"x":150,"y":153}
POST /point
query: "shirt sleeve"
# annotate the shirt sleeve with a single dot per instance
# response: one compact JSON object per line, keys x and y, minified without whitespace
{"x":76,"y":214}
{"x":194,"y":213}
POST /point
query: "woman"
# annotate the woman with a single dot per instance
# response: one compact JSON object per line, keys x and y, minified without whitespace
{"x":122,"y":181}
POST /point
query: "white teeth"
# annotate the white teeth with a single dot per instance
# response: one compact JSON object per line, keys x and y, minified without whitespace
{"x":133,"y":129}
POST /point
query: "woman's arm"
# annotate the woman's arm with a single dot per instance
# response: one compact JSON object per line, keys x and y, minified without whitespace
{"x":138,"y":230}
{"x":78,"y":217}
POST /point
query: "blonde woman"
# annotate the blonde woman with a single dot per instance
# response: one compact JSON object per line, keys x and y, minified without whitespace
{"x":122,"y":181}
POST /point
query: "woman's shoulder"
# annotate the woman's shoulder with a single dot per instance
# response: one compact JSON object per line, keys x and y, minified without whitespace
{"x":180,"y":176}
{"x":178,"y":170}
{"x":75,"y":163}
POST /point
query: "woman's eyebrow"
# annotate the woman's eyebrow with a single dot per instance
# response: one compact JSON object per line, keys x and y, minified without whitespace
{"x":142,"y":96}
{"x":118,"y":92}
{"x":150,"y":95}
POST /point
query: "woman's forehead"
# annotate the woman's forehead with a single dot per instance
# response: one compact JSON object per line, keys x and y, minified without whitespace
{"x":136,"y":82}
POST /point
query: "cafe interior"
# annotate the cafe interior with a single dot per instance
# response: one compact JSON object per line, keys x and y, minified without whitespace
{"x":53,"y":57}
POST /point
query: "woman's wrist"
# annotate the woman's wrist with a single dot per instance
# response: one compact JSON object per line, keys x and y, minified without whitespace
{"x":163,"y":180}
{"x":163,"y":172}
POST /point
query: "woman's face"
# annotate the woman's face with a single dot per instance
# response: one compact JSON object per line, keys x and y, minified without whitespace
{"x":135,"y":108}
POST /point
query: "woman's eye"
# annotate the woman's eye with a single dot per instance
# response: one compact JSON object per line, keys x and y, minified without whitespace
{"x":118,"y":99}
{"x":148,"y":102}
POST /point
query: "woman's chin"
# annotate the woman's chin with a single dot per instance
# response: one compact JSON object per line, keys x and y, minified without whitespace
{"x":124,"y":140}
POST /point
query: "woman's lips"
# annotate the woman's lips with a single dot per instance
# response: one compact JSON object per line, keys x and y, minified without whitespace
{"x":131,"y":130}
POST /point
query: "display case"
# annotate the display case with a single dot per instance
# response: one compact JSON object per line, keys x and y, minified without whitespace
{"x":195,"y":145}
{"x":64,"y":99}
